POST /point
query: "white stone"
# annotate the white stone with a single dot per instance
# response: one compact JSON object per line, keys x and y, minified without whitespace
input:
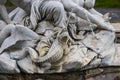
{"x":100,"y":42}
{"x":95,"y":59}
{"x":116,"y":60}
{"x":26,"y":65}
{"x":17,"y":33}
{"x":84,"y":25}
{"x":78,"y":57}
{"x":8,"y":65}
{"x":75,"y":57}
{"x":44,"y":21}
{"x":18,"y":54}
{"x":108,"y":56}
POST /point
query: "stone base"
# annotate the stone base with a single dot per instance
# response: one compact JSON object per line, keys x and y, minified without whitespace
{"x":102,"y":73}
{"x":117,"y":30}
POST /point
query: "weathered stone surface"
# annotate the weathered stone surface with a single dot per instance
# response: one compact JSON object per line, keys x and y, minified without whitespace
{"x":116,"y":60}
{"x":117,"y":27}
{"x":104,"y":73}
{"x":28,"y":66}
{"x":117,"y":30}
{"x":8,"y":65}
{"x":108,"y":56}
{"x":99,"y":42}
{"x":18,"y":54}
{"x":17,"y":33}
{"x":75,"y":57}
{"x":78,"y":57}
{"x":84,"y":25}
{"x":39,"y":44}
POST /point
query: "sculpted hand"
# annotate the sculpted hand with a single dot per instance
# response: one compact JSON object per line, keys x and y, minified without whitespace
{"x":106,"y":17}
{"x":106,"y":26}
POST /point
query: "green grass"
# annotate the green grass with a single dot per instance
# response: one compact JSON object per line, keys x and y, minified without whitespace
{"x":107,"y":3}
{"x":99,"y":4}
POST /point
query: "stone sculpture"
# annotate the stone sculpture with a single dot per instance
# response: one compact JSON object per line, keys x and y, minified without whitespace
{"x":47,"y":36}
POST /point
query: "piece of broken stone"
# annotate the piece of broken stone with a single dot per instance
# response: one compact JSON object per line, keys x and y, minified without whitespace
{"x":27,"y":66}
{"x":116,"y":60}
{"x":17,"y":54}
{"x":94,"y":61}
{"x":17,"y":33}
{"x":78,"y":57}
{"x":8,"y":65}
{"x":89,"y":58}
{"x":107,"y":57}
{"x":18,"y":51}
{"x":100,"y":41}
{"x":117,"y":27}
{"x":75,"y":56}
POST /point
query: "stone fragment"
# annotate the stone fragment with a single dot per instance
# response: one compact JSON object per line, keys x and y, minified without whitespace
{"x":17,"y":33}
{"x":94,"y":61}
{"x":100,"y":42}
{"x":78,"y":57}
{"x":75,"y":57}
{"x":116,"y":60}
{"x":18,"y":54}
{"x":107,"y":57}
{"x":117,"y":27}
{"x":26,"y":65}
{"x":8,"y":65}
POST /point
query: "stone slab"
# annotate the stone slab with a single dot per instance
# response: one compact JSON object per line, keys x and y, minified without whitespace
{"x":117,"y":30}
{"x":102,"y":73}
{"x":117,"y":27}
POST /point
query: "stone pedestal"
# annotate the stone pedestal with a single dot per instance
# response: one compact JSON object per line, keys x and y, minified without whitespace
{"x":117,"y":30}
{"x":102,"y":73}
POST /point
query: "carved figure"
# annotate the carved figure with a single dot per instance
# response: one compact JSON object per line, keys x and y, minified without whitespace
{"x":47,"y":36}
{"x":59,"y":16}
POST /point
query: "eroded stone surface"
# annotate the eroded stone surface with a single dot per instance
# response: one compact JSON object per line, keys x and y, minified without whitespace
{"x":55,"y":36}
{"x":8,"y":65}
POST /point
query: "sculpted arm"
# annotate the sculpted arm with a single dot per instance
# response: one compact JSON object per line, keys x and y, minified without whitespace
{"x":3,"y":11}
{"x":89,"y":5}
{"x":83,"y":13}
{"x":93,"y":11}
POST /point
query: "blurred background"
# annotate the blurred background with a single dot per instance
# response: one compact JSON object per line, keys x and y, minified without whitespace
{"x":111,"y":6}
{"x":107,"y":3}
